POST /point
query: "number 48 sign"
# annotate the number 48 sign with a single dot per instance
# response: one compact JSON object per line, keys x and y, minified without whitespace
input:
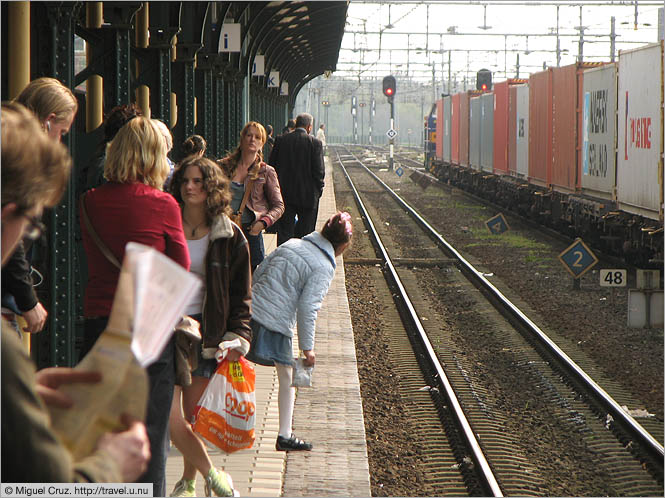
{"x":613,"y":278}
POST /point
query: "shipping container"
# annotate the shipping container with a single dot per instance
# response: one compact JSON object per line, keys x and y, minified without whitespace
{"x":454,"y":131}
{"x":640,"y":131}
{"x":487,"y":132}
{"x":475,"y":118}
{"x":597,"y":152}
{"x":565,"y":175}
{"x":501,"y":127}
{"x":447,"y":106}
{"x":464,"y":129}
{"x":518,"y":131}
{"x":439,"y":129}
{"x":540,"y":127}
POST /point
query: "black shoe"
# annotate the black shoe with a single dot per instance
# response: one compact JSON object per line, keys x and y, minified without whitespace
{"x":291,"y":444}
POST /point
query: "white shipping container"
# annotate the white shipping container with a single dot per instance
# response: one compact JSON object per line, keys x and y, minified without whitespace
{"x":447,"y":105}
{"x":640,"y":131}
{"x":487,"y":132}
{"x":598,"y":131}
{"x":522,"y":122}
{"x":475,"y":117}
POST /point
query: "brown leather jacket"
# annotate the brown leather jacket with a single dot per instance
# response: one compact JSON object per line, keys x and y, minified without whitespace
{"x":265,"y":199}
{"x":228,"y":297}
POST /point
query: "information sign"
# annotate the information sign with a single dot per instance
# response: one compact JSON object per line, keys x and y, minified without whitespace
{"x":613,"y":278}
{"x":497,"y":224}
{"x":391,"y":133}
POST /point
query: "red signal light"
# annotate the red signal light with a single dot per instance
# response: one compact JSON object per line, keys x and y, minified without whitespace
{"x":389,"y":91}
{"x":484,"y":87}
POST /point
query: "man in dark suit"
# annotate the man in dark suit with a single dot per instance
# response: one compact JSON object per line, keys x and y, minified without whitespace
{"x":298,"y":159}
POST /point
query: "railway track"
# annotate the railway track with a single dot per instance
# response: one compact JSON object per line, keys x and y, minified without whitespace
{"x":534,"y":423}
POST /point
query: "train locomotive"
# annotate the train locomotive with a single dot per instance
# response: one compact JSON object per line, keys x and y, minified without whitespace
{"x":577,"y":148}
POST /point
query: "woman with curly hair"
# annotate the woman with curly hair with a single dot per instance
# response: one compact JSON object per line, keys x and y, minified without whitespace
{"x":263,"y":203}
{"x":220,"y":257}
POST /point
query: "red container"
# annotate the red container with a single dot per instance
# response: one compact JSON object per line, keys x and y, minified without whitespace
{"x":565,"y":174}
{"x":540,"y":127}
{"x":504,"y":129}
{"x":439,"y":129}
{"x":464,"y":129}
{"x":454,"y":132}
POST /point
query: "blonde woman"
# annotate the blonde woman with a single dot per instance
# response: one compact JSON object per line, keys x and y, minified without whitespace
{"x":132,"y":207}
{"x":53,"y":103}
{"x":264,"y":203}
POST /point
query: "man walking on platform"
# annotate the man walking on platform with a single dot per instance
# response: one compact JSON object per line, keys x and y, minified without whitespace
{"x":298,"y":159}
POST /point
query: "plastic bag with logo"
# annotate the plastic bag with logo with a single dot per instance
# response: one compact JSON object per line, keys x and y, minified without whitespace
{"x":225,"y":414}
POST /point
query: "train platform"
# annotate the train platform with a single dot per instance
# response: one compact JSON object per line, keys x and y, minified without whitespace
{"x":329,"y":415}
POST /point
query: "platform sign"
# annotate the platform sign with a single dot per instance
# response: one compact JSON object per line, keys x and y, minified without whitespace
{"x":613,"y":278}
{"x":578,"y":258}
{"x":229,"y":38}
{"x":497,"y":224}
{"x":273,"y":79}
{"x":391,"y":133}
{"x":399,"y":171}
{"x":258,"y":68}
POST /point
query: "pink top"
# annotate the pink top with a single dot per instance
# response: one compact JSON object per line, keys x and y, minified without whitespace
{"x":121,"y":213}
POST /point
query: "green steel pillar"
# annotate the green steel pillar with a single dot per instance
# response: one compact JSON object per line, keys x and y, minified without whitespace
{"x":54,"y":25}
{"x":204,"y":91}
{"x":218,"y":122}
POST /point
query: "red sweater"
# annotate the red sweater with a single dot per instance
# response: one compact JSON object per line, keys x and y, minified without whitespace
{"x":121,"y":213}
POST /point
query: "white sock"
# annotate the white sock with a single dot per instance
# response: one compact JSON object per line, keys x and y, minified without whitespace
{"x":286,"y":399}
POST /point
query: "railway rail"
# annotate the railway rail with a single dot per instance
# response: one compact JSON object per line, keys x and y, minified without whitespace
{"x":588,"y":412}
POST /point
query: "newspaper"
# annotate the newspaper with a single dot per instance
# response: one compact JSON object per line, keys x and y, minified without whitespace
{"x":150,"y":299}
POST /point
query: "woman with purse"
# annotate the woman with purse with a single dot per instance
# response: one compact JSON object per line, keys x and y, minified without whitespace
{"x":131,"y":207}
{"x":220,"y":257}
{"x":256,"y":196}
{"x":289,"y":287}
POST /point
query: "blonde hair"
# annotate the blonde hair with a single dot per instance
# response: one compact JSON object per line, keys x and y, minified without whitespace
{"x":137,"y":154}
{"x":35,"y":169}
{"x":45,"y":96}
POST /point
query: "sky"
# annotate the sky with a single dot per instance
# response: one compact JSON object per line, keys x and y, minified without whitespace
{"x":490,"y":34}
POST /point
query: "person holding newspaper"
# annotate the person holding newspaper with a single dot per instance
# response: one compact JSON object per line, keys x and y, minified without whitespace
{"x":31,"y":451}
{"x":131,"y":207}
{"x":289,"y":287}
{"x":220,"y":257}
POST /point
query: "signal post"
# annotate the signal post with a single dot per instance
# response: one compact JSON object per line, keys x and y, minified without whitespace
{"x":389,"y":87}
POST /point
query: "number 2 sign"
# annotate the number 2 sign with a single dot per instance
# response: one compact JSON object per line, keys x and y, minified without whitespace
{"x":578,"y":258}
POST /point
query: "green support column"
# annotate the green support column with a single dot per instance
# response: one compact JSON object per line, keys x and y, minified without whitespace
{"x":54,"y":24}
{"x":218,"y":123}
{"x":204,"y":91}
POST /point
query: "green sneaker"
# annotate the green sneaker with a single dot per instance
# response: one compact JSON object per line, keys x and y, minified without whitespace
{"x":218,"y":481}
{"x":185,"y":487}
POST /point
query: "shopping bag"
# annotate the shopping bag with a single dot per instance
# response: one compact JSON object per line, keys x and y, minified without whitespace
{"x":225,"y":414}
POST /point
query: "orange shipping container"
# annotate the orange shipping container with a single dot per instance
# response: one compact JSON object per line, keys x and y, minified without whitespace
{"x":565,"y":173}
{"x":501,"y":120}
{"x":540,"y":127}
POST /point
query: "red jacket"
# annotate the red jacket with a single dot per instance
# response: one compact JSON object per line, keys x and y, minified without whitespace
{"x":121,"y":213}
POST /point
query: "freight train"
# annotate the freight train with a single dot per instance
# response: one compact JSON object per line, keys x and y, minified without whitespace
{"x":577,"y":148}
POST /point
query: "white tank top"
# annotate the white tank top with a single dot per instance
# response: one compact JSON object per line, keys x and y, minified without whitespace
{"x":197,"y":257}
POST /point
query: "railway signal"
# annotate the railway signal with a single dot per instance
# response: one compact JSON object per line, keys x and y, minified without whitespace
{"x":389,"y":87}
{"x":484,"y":80}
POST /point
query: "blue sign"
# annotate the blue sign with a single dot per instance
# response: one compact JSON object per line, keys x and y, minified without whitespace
{"x":399,"y":171}
{"x":497,"y":225}
{"x":578,"y":258}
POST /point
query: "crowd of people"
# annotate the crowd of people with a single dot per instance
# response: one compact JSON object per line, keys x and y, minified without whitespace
{"x":206,"y":214}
